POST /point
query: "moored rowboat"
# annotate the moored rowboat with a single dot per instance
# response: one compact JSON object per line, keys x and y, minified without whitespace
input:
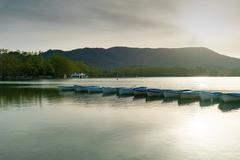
{"x":173,"y":93}
{"x":140,"y":91}
{"x":209,"y":96}
{"x":94,"y":89}
{"x":190,"y":95}
{"x":109,"y":90}
{"x":78,"y":88}
{"x":230,"y":97}
{"x":152,"y":92}
{"x":125,"y":91}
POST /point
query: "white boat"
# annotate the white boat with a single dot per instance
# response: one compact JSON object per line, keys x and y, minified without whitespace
{"x":140,"y":91}
{"x":173,"y":93}
{"x":190,"y":95}
{"x":230,"y":97}
{"x":125,"y":91}
{"x":94,"y":89}
{"x":78,"y":75}
{"x":66,"y":88}
{"x":109,"y":90}
{"x":209,"y":96}
{"x":152,"y":92}
{"x":78,"y":88}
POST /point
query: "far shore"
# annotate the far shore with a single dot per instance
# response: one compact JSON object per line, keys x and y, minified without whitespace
{"x":39,"y":78}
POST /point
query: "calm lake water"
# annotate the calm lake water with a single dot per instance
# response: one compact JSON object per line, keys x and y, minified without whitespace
{"x":37,"y":122}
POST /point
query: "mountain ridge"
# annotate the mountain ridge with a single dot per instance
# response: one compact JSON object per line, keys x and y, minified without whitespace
{"x":120,"y":56}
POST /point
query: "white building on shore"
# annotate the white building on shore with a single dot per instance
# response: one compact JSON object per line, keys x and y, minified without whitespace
{"x":78,"y":75}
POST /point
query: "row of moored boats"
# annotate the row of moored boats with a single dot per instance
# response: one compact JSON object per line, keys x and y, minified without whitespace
{"x":154,"y":93}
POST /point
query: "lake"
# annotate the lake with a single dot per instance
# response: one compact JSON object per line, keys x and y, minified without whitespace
{"x":39,"y":122}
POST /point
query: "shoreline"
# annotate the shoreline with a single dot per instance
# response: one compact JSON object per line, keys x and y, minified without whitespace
{"x":56,"y":78}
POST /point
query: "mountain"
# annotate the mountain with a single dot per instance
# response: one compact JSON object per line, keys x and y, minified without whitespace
{"x":116,"y":57}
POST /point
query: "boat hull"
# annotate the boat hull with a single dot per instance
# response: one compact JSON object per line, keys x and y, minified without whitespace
{"x":171,"y":94}
{"x":140,"y":91}
{"x":125,"y":92}
{"x":81,"y":88}
{"x":109,"y":90}
{"x":229,"y":98}
{"x":94,"y":90}
{"x":154,"y":94}
{"x":190,"y":95}
{"x":208,"y":96}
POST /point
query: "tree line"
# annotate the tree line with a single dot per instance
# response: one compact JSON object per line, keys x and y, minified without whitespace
{"x":143,"y":71}
{"x":15,"y":65}
{"x":29,"y":65}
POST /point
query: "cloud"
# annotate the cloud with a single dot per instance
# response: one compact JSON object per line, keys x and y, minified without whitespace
{"x":69,"y":24}
{"x":99,"y":13}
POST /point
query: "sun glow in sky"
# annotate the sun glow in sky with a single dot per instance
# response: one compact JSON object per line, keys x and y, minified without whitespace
{"x":70,"y":24}
{"x":214,"y":24}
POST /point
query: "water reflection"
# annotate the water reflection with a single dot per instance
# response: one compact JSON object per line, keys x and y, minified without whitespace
{"x":149,"y":99}
{"x":138,"y":98}
{"x":21,"y":96}
{"x":225,"y":107}
{"x":184,"y":102}
{"x":75,"y":125}
{"x":169,"y":100}
{"x":208,"y":103}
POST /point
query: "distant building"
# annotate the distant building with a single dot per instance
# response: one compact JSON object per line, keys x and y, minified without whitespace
{"x":78,"y":75}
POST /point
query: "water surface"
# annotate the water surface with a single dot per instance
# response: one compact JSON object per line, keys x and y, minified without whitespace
{"x":39,"y":122}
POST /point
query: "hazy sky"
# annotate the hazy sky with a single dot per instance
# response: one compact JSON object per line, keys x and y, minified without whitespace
{"x":69,"y":24}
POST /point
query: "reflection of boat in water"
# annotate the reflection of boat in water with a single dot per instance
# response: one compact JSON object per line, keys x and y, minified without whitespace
{"x":230,"y":97}
{"x":190,"y":95}
{"x":152,"y":92}
{"x":169,"y":100}
{"x":209,"y":96}
{"x":109,"y":90}
{"x":208,"y":103}
{"x":173,"y":93}
{"x":66,"y":88}
{"x":182,"y":102}
{"x":228,"y":106}
{"x":155,"y":98}
{"x":135,"y":98}
{"x":20,"y":94}
{"x":140,"y":91}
